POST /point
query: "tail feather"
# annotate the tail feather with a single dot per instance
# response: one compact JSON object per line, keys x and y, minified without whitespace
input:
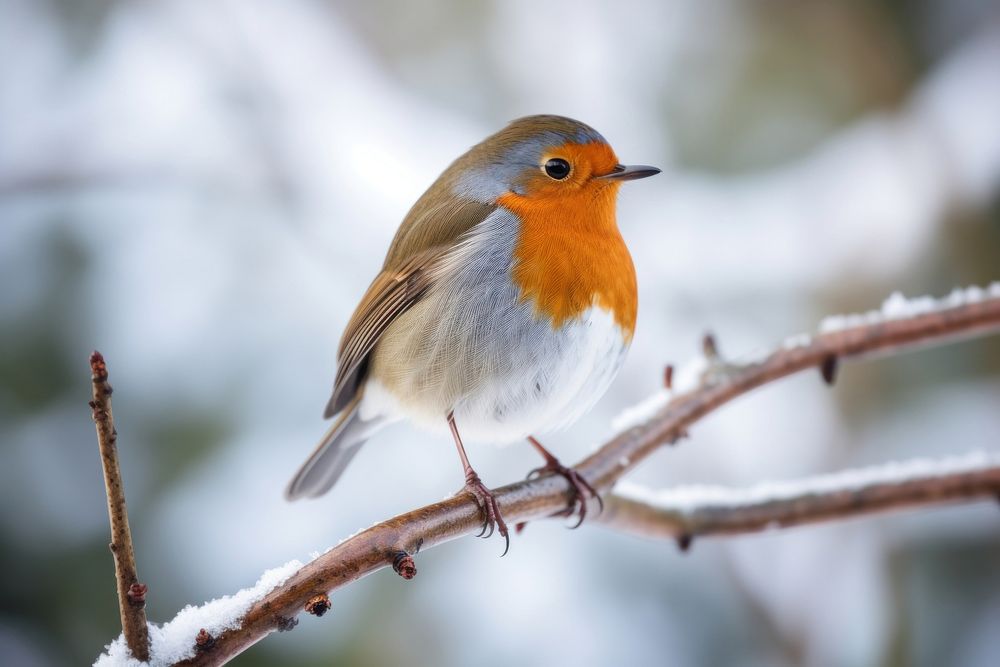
{"x":330,"y":458}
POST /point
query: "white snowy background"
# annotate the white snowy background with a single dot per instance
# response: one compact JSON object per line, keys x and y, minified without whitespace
{"x":202,"y":191}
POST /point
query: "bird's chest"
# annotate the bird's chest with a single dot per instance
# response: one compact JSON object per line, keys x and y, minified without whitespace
{"x":507,"y":355}
{"x":550,"y":320}
{"x":566,"y":261}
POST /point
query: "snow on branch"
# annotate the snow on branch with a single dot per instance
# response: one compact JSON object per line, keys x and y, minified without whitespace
{"x":686,"y":512}
{"x":709,"y":369}
{"x":194,"y":629}
{"x":704,"y":386}
{"x":898,"y":307}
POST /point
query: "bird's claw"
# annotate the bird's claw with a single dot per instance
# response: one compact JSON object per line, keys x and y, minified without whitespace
{"x":581,"y":489}
{"x":491,"y":509}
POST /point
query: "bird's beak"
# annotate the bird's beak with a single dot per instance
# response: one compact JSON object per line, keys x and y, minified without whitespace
{"x":630,"y":172}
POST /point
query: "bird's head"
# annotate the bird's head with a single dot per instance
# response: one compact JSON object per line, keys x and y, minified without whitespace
{"x":542,"y":158}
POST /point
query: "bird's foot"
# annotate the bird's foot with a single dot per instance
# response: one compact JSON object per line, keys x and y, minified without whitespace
{"x":581,"y":489}
{"x":488,"y":504}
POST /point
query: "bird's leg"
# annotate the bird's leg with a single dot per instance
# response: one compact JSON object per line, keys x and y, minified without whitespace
{"x":479,"y":491}
{"x":581,"y":487}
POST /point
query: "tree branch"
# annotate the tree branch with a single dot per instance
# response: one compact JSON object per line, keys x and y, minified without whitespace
{"x":686,"y":512}
{"x":131,"y":593}
{"x":379,"y":546}
{"x":663,"y":420}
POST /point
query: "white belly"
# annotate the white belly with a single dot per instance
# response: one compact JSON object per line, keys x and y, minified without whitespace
{"x":552,"y":387}
{"x":543,"y":382}
{"x":474,"y":347}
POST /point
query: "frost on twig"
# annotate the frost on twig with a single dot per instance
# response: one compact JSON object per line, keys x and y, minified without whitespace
{"x":687,"y":511}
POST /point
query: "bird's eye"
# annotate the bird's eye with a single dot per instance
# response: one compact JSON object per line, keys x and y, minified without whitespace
{"x":557,"y":168}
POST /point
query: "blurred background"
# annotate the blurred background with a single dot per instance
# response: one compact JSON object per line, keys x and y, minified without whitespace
{"x":203,"y":190}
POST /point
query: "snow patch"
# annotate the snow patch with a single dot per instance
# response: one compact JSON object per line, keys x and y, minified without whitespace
{"x":898,"y":307}
{"x":686,"y":379}
{"x":174,"y":640}
{"x":689,"y":376}
{"x":642,"y":411}
{"x":689,"y":497}
{"x":797,"y":340}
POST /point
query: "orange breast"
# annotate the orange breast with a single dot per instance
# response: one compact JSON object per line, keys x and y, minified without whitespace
{"x":570,"y":255}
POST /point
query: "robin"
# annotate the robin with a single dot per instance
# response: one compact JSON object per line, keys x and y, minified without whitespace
{"x":504,"y":308}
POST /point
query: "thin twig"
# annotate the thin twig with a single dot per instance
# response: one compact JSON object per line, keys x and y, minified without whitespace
{"x":377,"y":547}
{"x":131,"y":593}
{"x":684,"y":513}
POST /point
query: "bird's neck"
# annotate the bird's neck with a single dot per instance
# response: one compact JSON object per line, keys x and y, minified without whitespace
{"x":570,"y":256}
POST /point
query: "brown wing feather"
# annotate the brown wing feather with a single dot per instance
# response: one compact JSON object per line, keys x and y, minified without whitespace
{"x":389,"y":296}
{"x":431,"y":228}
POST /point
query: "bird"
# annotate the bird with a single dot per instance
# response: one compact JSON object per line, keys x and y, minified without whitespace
{"x":504,"y":307}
